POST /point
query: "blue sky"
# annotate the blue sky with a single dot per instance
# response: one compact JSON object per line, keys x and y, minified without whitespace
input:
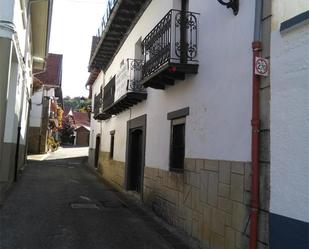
{"x":74,"y":22}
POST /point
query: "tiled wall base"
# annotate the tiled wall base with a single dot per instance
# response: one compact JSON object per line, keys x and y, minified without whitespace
{"x":112,"y":171}
{"x":209,"y":200}
{"x":7,"y":166}
{"x":7,"y":162}
{"x":91,"y":154}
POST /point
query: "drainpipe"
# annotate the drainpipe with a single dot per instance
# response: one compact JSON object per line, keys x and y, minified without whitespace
{"x":255,"y":123}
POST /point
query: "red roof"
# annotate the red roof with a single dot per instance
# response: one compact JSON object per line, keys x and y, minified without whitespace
{"x":66,"y":110}
{"x":53,"y":73}
{"x":81,"y":118}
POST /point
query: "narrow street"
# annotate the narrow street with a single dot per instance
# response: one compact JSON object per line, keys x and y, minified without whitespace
{"x":59,"y":203}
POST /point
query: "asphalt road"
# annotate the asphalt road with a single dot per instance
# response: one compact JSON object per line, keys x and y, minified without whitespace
{"x":59,"y":203}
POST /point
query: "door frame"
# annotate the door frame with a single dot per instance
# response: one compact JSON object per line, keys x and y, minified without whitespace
{"x":97,"y":151}
{"x":133,"y":124}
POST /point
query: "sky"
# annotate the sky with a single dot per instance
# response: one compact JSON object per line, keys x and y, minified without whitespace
{"x":74,"y":22}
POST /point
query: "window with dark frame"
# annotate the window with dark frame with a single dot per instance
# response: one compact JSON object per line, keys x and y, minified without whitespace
{"x":177,"y":145}
{"x":177,"y":139}
{"x":111,"y":151}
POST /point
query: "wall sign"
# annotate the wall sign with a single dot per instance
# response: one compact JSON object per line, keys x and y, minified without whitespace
{"x":261,"y":66}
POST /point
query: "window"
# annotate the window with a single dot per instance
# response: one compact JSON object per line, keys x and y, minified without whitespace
{"x":177,"y":139}
{"x":177,"y":144}
{"x":111,"y":151}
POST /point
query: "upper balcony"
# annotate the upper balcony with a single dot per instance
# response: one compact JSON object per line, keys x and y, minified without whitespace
{"x":170,"y":50}
{"x":124,"y":89}
{"x":120,"y":17}
{"x":98,"y":108}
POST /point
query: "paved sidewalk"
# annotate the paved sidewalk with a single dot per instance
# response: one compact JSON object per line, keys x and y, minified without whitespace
{"x":60,"y":203}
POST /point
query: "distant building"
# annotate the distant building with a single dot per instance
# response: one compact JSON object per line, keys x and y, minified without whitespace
{"x":79,"y":125}
{"x":24,"y":40}
{"x":82,"y":130}
{"x":47,"y":104}
{"x":82,"y":136}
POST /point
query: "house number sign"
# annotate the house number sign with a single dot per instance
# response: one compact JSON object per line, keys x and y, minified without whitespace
{"x":261,"y":66}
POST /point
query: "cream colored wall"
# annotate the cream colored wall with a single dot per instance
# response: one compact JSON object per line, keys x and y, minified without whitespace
{"x":219,"y":96}
{"x":286,"y":9}
{"x":289,"y":69}
{"x":19,"y":90}
{"x":36,"y":109}
{"x":95,"y":126}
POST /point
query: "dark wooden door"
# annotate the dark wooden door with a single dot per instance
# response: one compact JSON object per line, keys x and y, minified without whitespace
{"x":135,"y":160}
{"x":97,"y":151}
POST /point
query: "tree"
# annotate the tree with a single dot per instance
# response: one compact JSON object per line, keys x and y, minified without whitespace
{"x":77,"y":104}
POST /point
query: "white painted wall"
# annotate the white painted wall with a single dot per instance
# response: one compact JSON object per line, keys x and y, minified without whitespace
{"x":49,"y":92}
{"x":11,"y":124}
{"x":95,"y":126}
{"x":36,"y":109}
{"x":20,"y":27}
{"x":290,"y":114}
{"x":20,"y":75}
{"x":6,"y":14}
{"x":219,"y":96}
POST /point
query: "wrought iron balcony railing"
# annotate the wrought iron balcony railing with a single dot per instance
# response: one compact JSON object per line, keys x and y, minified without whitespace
{"x":174,"y":40}
{"x":105,"y":18}
{"x":97,"y":106}
{"x":128,"y":88}
{"x":128,"y":79}
{"x":122,"y":91}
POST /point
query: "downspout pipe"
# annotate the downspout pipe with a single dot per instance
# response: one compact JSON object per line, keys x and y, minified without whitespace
{"x":255,"y":123}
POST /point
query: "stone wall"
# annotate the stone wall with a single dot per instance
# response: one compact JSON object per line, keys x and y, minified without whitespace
{"x":111,"y":170}
{"x":33,"y":140}
{"x":91,"y":155}
{"x":210,"y":200}
{"x":7,"y":168}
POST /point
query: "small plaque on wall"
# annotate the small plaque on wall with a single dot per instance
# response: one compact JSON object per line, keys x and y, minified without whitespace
{"x":261,"y":66}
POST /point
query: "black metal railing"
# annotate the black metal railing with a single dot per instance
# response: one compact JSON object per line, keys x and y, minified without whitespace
{"x":109,"y":94}
{"x":97,"y":104}
{"x":134,"y":67}
{"x":174,"y":39}
{"x":105,"y":18}
{"x":128,"y":78}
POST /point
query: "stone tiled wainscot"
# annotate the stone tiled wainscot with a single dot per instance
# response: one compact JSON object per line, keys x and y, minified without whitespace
{"x":111,"y":170}
{"x":209,"y":200}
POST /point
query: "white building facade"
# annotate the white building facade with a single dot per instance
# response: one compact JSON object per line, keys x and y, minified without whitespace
{"x":24,"y":35}
{"x":46,"y":107}
{"x":172,"y":115}
{"x":289,"y":200}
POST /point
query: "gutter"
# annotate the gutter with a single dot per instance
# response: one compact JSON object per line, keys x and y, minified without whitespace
{"x":255,"y":123}
{"x":49,"y":19}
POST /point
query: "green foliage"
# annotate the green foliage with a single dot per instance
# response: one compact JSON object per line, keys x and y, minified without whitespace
{"x":77,"y":103}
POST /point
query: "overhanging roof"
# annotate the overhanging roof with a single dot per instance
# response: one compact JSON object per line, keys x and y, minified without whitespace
{"x":41,"y":12}
{"x":123,"y":17}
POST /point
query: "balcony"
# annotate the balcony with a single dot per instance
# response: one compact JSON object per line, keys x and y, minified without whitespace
{"x":120,"y":18}
{"x":97,"y":110}
{"x":124,"y":89}
{"x":121,"y":92}
{"x":170,"y":50}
